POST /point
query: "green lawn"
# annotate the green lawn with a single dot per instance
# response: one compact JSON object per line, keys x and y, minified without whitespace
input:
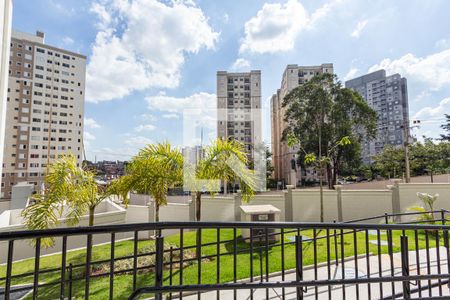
{"x":99,"y":287}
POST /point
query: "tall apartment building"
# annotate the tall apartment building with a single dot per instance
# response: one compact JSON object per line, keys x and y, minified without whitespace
{"x":5,"y":29}
{"x":388,"y":96}
{"x":287,"y":171}
{"x":239,"y":107}
{"x":45,"y":108}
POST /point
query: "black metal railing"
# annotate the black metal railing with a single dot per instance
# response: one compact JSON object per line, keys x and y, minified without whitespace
{"x":239,"y":260}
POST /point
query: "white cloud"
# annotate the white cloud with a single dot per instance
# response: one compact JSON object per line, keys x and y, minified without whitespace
{"x":359,"y":28}
{"x":170,"y":116}
{"x":137,"y":141}
{"x":434,"y":112}
{"x":443,"y":44}
{"x":276,"y":26}
{"x":434,"y":69}
{"x":67,"y":40}
{"x":205,"y":103}
{"x":91,"y":123}
{"x":145,"y":127}
{"x":177,"y":105}
{"x":88,"y":136}
{"x":240,"y":64}
{"x":350,"y":74}
{"x":143,"y":44}
{"x":226,"y":18}
{"x":147,"y":117}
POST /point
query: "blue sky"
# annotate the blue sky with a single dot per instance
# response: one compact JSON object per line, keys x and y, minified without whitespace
{"x":148,"y":60}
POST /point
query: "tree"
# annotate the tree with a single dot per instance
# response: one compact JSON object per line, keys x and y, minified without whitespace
{"x":154,"y":170}
{"x":390,"y":162}
{"x":320,"y":113}
{"x":225,"y":160}
{"x":430,"y":157}
{"x":446,"y":127}
{"x":66,"y":186}
{"x":319,"y":163}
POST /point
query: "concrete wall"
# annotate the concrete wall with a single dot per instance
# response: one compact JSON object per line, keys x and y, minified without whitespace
{"x":306,"y":205}
{"x":4,"y":205}
{"x":275,"y":200}
{"x":408,"y":194}
{"x":107,"y":213}
{"x":217,"y":209}
{"x":358,"y":204}
{"x":174,"y":212}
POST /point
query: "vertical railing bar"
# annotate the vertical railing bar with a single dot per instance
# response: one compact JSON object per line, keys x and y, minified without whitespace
{"x":63,"y":267}
{"x":283,"y":290}
{"x":405,"y":266}
{"x":266,"y":232}
{"x":199,"y":260}
{"x":181,"y":259}
{"x":9,"y":269}
{"x":427,"y":245}
{"x":391,"y":260}
{"x":445,"y":234}
{"x":159,"y":264}
{"x":69,"y":296}
{"x":251,"y":260}
{"x":416,"y":241}
{"x":299,"y":263}
{"x":37,"y":256}
{"x":380,"y":270}
{"x":111,"y":267}
{"x":234,"y":261}
{"x":170,"y":269}
{"x":316,"y":288}
{"x":218,"y":262}
{"x":328,"y":262}
{"x":438,"y":259}
{"x":336,"y":253}
{"x":88,"y":266}
{"x":355,"y":250}
{"x":343,"y":263}
{"x":135,"y":257}
{"x":369,"y":288}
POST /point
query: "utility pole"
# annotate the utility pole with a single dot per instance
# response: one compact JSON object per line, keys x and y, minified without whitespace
{"x":406,"y":145}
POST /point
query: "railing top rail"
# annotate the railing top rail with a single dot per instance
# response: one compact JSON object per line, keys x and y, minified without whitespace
{"x":71,"y":231}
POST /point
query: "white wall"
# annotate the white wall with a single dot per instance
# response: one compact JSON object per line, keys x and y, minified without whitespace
{"x":217,"y":209}
{"x":107,"y":213}
{"x":408,"y":194}
{"x":174,"y":212}
{"x":359,"y":204}
{"x":306,"y":205}
{"x":4,"y":205}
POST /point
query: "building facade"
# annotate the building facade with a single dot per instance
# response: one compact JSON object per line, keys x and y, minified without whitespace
{"x":388,"y":96}
{"x":45,"y":108}
{"x":239,"y":108}
{"x":286,"y":169}
{"x":5,"y":29}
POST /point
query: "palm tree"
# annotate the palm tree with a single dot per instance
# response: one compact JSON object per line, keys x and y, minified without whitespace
{"x":67,"y":185}
{"x":225,"y":160}
{"x":155,"y":169}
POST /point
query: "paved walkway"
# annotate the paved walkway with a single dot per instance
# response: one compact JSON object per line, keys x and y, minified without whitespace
{"x":351,"y":290}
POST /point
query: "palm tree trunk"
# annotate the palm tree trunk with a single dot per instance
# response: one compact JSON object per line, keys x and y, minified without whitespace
{"x":225,"y":187}
{"x":432,"y":179}
{"x":156,"y":211}
{"x":91,"y":215}
{"x":198,"y":205}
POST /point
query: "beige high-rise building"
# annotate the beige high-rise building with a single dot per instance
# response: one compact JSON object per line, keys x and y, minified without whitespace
{"x":239,"y":107}
{"x":287,"y":171}
{"x":45,"y":109}
{"x":5,"y":29}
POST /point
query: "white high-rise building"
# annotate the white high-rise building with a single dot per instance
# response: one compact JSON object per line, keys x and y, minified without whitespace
{"x":5,"y":29}
{"x":239,"y":108}
{"x":45,"y":108}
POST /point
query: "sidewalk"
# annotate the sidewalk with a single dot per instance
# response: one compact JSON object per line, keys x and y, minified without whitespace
{"x":351,"y":290}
